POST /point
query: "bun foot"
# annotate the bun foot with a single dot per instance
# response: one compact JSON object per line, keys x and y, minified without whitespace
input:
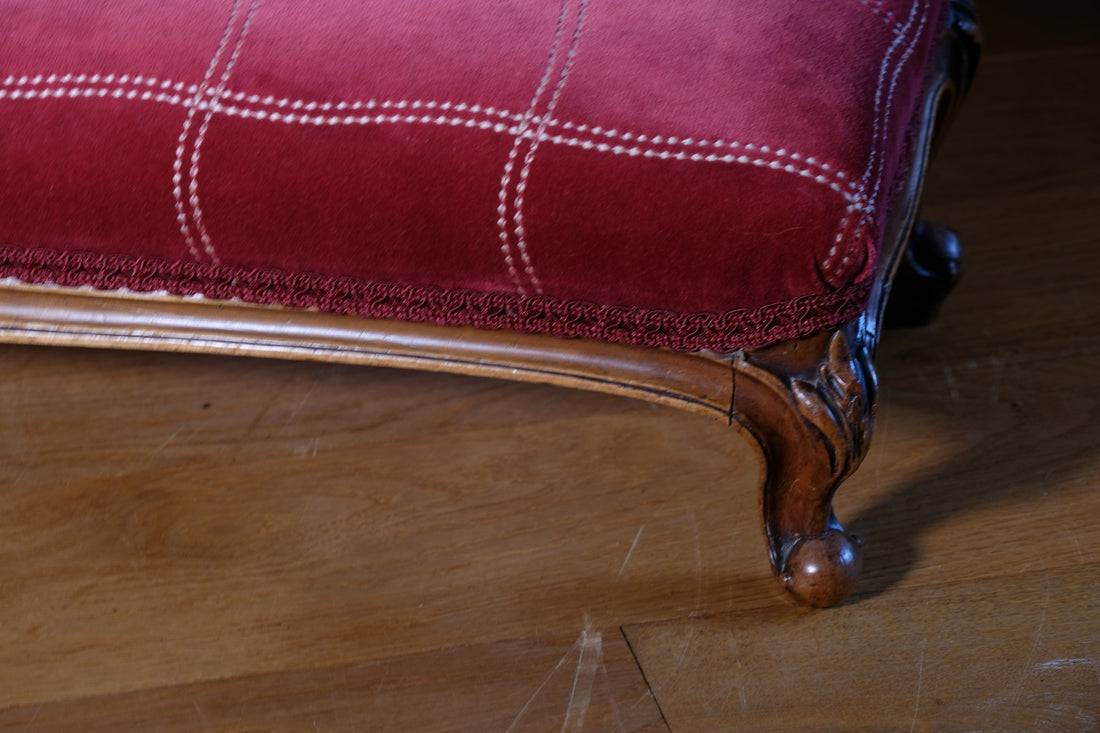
{"x":929,"y":269}
{"x":822,"y":571}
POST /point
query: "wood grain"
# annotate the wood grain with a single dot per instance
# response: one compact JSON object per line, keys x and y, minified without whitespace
{"x":979,"y":604}
{"x":981,"y":550}
{"x":59,"y":316}
{"x":592,"y":684}
{"x":190,"y":541}
{"x":172,"y":520}
{"x":1012,"y":657}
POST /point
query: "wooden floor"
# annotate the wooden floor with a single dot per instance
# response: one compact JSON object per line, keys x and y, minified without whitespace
{"x":201,"y":543}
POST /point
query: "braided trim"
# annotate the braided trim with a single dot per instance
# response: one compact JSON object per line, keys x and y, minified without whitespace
{"x":542,"y":314}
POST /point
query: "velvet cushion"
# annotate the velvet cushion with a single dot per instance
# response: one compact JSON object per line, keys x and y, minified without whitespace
{"x":707,"y":174}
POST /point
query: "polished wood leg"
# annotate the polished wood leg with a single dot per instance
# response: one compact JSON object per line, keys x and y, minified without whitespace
{"x":808,"y":404}
{"x":927,"y":272}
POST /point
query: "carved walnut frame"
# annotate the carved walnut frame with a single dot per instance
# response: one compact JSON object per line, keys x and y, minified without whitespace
{"x":808,"y":404}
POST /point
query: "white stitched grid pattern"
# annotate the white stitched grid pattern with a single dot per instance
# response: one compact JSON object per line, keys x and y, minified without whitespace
{"x":193,"y":187}
{"x":509,"y":165}
{"x":454,"y":114}
{"x":529,"y":158}
{"x":530,"y":128}
{"x":182,"y":212}
{"x":685,"y":148}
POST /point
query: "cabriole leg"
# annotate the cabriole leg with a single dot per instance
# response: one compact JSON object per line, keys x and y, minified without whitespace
{"x":809,"y":405}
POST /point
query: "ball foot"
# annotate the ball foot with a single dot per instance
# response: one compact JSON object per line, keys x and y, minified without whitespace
{"x":822,"y":571}
{"x":929,"y":269}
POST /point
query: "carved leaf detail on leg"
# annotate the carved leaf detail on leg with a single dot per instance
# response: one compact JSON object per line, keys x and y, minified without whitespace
{"x":809,"y":405}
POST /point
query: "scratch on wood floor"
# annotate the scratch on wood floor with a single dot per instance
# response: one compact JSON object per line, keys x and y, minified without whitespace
{"x":995,"y":388}
{"x":195,"y":430}
{"x":262,"y":414}
{"x":590,"y":662}
{"x":162,"y":446}
{"x":240,"y":716}
{"x":580,"y":697}
{"x":535,"y":694}
{"x":34,"y":717}
{"x":1031,"y":654}
{"x":952,"y":384}
{"x":678,"y":664}
{"x":920,"y":684}
{"x":611,"y":694}
{"x":1077,"y":544}
{"x":1067,"y":663}
{"x":302,"y":402}
{"x":741,"y":690}
{"x":630,"y":552}
{"x":202,"y":717}
{"x":698,"y":559}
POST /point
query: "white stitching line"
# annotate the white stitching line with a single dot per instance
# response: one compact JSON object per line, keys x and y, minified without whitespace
{"x":889,"y":109}
{"x":762,"y":155}
{"x":879,"y":9}
{"x":193,"y":107}
{"x":641,"y":145}
{"x":193,"y":188}
{"x":880,"y":110}
{"x":379,"y":119}
{"x":547,"y":124}
{"x":878,"y":139}
{"x":825,"y":169}
{"x":846,"y":191}
{"x":520,"y":137}
{"x":121,"y":79}
{"x":204,"y":104}
{"x":540,"y":136}
{"x":544,"y":123}
{"x":75,"y":92}
{"x":826,"y":173}
{"x":370,"y":104}
{"x":100,"y":85}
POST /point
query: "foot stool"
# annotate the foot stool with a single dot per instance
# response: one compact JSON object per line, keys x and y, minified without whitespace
{"x":701,"y":204}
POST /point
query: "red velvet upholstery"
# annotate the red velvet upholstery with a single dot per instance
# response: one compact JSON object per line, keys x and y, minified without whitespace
{"x":707,"y":174}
